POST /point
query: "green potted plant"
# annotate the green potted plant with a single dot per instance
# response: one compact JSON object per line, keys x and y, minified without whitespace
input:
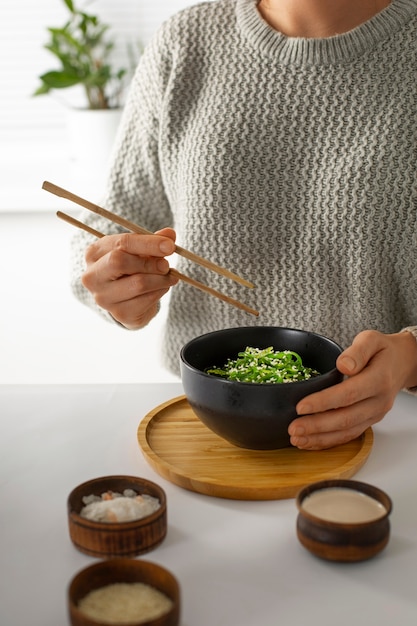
{"x":83,"y":49}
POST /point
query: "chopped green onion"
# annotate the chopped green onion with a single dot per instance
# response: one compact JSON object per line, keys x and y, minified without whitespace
{"x":257,"y":365}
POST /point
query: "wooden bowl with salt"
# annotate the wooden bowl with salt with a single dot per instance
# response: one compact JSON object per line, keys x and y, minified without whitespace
{"x":124,"y":591}
{"x":115,"y":516}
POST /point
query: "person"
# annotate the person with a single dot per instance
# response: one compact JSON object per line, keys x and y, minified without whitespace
{"x":278,"y":139}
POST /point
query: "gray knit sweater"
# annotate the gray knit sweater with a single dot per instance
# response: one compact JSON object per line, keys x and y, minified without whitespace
{"x":291,"y":161}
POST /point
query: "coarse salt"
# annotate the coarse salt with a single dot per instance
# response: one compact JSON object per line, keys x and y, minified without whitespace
{"x":115,"y":507}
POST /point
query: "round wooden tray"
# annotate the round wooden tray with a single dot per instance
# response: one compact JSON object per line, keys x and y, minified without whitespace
{"x":185,"y":452}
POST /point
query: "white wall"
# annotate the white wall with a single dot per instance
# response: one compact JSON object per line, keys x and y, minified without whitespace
{"x":46,"y":335}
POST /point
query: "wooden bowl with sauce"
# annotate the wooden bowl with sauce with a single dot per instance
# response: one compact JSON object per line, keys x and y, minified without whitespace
{"x":120,"y":591}
{"x":343,"y":520}
{"x":106,"y":539}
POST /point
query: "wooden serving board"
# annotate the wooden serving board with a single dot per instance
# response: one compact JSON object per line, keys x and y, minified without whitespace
{"x":185,"y":452}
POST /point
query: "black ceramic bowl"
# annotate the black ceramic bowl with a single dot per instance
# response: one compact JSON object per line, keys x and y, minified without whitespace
{"x":251,"y":415}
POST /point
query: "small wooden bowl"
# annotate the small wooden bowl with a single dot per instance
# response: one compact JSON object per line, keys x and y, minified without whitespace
{"x":123,"y":570}
{"x":106,"y":539}
{"x":343,"y":541}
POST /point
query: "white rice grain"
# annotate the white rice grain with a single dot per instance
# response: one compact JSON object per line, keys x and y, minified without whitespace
{"x":125,"y":603}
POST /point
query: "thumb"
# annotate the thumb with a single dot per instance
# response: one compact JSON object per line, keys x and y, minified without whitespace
{"x":357,"y":356}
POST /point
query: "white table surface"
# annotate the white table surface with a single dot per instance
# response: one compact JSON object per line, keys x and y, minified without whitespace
{"x":238,"y":563}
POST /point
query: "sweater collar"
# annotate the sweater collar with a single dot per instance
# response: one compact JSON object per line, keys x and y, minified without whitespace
{"x":332,"y":50}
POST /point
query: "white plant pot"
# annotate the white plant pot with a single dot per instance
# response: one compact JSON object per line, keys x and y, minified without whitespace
{"x":91,"y":135}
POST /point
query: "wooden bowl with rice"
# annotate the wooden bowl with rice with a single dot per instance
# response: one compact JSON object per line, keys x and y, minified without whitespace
{"x":114,"y":516}
{"x":124,"y":591}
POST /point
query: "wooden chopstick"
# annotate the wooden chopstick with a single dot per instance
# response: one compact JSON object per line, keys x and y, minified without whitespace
{"x":172,"y":271}
{"x":113,"y":217}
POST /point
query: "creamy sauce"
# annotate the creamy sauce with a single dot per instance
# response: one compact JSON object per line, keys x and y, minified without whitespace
{"x":340,"y":504}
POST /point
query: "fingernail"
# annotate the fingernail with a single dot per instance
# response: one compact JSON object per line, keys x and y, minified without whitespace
{"x":304,"y":409}
{"x":167,"y":247}
{"x":299,"y":441}
{"x":297,"y":431}
{"x":348,"y":363}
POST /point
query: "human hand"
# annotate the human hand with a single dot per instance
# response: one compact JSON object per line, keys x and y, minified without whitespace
{"x":377,"y":366}
{"x":128,"y":274}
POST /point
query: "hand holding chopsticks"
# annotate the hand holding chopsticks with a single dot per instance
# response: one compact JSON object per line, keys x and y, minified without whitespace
{"x":130,"y":226}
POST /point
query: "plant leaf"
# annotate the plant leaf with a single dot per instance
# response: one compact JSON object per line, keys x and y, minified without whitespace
{"x":59,"y":80}
{"x":70,"y":5}
{"x":42,"y":90}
